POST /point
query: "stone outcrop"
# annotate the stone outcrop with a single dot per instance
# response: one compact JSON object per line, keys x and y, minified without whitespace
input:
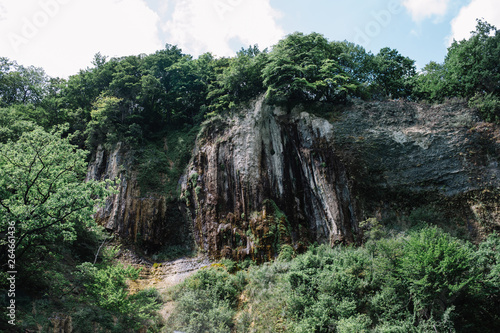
{"x":406,"y":155}
{"x":265,"y":176}
{"x":150,"y":221}
{"x":326,"y":173}
{"x":418,"y":147}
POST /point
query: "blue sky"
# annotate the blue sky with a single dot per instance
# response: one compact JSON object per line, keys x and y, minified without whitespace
{"x":63,"y":35}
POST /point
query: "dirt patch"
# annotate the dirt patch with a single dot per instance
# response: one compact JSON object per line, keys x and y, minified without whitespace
{"x":161,"y":275}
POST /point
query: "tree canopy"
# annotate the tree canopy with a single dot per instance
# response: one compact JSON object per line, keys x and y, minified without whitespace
{"x":42,"y":190}
{"x":470,"y":70}
{"x":305,"y":67}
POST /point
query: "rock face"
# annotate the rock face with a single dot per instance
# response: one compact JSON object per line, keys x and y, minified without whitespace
{"x":150,"y":221}
{"x":265,"y":178}
{"x":418,"y":147}
{"x":410,"y":155}
{"x":325,"y":174}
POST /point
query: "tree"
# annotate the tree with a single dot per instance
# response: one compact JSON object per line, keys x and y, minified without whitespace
{"x":21,"y":85}
{"x":431,"y":84}
{"x":108,"y":122}
{"x":186,"y":91}
{"x":305,"y":68}
{"x":241,"y":80}
{"x":473,"y":70}
{"x":127,"y":78}
{"x":43,"y":192}
{"x":13,"y":123}
{"x":393,"y":73}
{"x":437,"y":270}
{"x":356,"y":62}
{"x":472,"y":64}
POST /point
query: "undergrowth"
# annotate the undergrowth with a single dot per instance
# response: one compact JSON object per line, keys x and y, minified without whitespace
{"x":421,"y":280}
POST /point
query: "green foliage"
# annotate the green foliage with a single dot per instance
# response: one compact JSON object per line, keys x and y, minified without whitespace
{"x":13,"y":123}
{"x":437,"y":270}
{"x":132,"y":99}
{"x":472,"y":64}
{"x":286,"y":253}
{"x":359,"y":324}
{"x":106,"y":288}
{"x":393,"y":73}
{"x":470,"y":70}
{"x":239,"y":79}
{"x":305,"y":68}
{"x":359,"y":65}
{"x":356,"y":62}
{"x":431,"y":84}
{"x":21,"y":85}
{"x":43,"y":193}
{"x":207,"y":301}
{"x":487,"y":293}
{"x":279,"y":228}
{"x":107,"y":124}
{"x":422,"y":281}
{"x":161,"y":163}
{"x":372,"y":229}
{"x":488,"y":105}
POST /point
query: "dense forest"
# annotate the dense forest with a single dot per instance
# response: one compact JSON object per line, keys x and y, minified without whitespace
{"x":418,"y":280}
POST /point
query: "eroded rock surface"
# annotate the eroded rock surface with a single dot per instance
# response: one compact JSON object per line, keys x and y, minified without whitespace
{"x":420,"y":147}
{"x":264,"y":177}
{"x":252,"y":170}
{"x":150,"y":220}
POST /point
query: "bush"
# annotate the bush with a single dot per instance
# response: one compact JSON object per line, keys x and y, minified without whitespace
{"x":488,"y":105}
{"x":206,"y":302}
{"x":354,"y":324}
{"x":106,"y":288}
{"x":436,"y":269}
{"x":423,"y":281}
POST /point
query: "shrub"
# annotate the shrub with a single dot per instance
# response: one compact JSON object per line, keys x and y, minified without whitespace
{"x":436,"y":269}
{"x":488,"y":105}
{"x":207,"y":300}
{"x":106,"y":288}
{"x":423,"y":281}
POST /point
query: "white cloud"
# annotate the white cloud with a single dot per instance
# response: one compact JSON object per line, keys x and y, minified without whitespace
{"x":422,"y":9}
{"x":465,"y":22}
{"x":199,"y":26}
{"x":62,"y":36}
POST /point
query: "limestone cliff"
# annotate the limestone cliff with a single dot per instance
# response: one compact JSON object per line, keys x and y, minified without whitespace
{"x":151,"y":220}
{"x":410,"y":154}
{"x":420,"y":147}
{"x":250,"y":169}
{"x":326,"y":173}
{"x":265,"y":176}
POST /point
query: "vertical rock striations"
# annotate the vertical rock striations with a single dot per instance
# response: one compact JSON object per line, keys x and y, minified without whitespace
{"x":265,"y":178}
{"x":150,"y":221}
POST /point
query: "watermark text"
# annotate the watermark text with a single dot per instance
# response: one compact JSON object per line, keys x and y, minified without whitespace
{"x":380,"y":20}
{"x":11,"y":273}
{"x":32,"y":25}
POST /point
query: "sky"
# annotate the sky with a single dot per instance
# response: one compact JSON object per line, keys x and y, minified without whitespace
{"x":62,"y":36}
